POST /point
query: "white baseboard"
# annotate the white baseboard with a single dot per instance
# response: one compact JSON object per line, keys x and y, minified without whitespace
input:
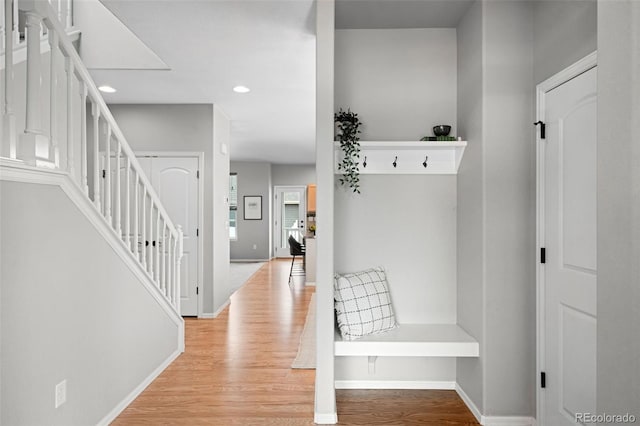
{"x":111,"y":416}
{"x":394,"y":384}
{"x":209,"y":315}
{"x":325,"y":419}
{"x":493,"y":420}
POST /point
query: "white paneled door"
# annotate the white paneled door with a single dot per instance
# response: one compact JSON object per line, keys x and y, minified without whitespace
{"x":175,"y":180}
{"x":568,"y":235}
{"x":291,"y":209}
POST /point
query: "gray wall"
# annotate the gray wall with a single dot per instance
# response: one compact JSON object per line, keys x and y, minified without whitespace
{"x":181,"y":128}
{"x":565,"y":31}
{"x":253,"y":179}
{"x":407,"y":224}
{"x":618,"y":361}
{"x":400,"y":82}
{"x":497,"y":207}
{"x":470,"y":217}
{"x":69,"y":313}
{"x":293,"y":174}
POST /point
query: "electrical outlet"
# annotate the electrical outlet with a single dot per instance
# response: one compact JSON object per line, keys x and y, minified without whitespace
{"x":255,"y":247}
{"x":61,"y":393}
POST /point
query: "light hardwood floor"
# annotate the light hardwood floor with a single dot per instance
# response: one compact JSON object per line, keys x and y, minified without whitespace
{"x":236,"y":370}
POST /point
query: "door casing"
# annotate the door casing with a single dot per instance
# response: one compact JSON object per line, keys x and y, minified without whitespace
{"x":580,"y":67}
{"x":200,"y":157}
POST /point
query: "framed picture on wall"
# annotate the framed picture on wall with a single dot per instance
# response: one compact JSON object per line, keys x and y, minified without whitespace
{"x":253,"y":207}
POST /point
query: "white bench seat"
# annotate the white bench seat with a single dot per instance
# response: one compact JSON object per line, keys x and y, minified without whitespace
{"x":430,"y":340}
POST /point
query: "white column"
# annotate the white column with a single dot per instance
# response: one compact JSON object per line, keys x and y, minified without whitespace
{"x":33,"y":143}
{"x":8,"y":130}
{"x":70,"y":133}
{"x":54,"y":154}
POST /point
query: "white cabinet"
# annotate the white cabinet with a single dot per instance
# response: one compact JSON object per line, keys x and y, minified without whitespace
{"x":310,"y":261}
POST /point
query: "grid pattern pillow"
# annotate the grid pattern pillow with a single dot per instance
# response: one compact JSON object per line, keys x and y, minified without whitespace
{"x":363,"y":303}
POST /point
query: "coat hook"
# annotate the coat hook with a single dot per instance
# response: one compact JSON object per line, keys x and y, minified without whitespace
{"x":395,"y":162}
{"x":425,"y":162}
{"x":364,"y":163}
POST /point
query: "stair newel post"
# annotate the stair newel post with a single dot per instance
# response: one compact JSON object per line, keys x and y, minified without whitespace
{"x":54,"y":155}
{"x":143,"y":228}
{"x":117,"y":197}
{"x":8,"y":122}
{"x":127,"y":203}
{"x":84,"y":181}
{"x":69,"y":68}
{"x":176,"y":289}
{"x":107,"y":177}
{"x":95,"y":112}
{"x":33,"y":143}
{"x":136,"y":216}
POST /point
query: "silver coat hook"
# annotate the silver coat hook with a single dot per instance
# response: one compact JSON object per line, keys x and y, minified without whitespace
{"x":395,"y":162}
{"x":424,"y":164}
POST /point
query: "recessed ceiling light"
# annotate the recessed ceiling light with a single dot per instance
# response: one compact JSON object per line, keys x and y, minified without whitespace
{"x":107,"y":89}
{"x":241,"y":89}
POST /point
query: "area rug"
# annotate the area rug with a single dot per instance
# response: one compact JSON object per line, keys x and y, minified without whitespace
{"x":306,"y":357}
{"x":240,"y":272}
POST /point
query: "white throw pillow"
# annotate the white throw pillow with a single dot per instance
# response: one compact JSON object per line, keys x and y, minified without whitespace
{"x":363,"y":303}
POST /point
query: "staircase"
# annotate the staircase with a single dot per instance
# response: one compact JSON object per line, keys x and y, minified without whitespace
{"x":57,"y":130}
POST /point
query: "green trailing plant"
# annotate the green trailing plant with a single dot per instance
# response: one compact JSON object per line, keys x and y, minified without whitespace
{"x":348,"y":125}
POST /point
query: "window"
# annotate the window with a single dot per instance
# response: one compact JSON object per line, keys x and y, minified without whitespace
{"x":233,"y":206}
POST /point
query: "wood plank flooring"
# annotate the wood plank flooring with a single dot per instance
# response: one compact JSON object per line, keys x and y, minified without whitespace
{"x":236,"y":370}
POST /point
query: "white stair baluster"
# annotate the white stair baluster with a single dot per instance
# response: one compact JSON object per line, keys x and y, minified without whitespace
{"x":95,"y":111}
{"x":170,"y":260}
{"x":136,"y":216}
{"x":69,"y":20}
{"x":143,"y":227}
{"x":163,"y":254}
{"x":16,"y":30}
{"x":127,"y":203}
{"x":157,"y":247}
{"x":176,"y":289}
{"x":8,"y":129}
{"x":117,"y":196}
{"x":70,"y":133}
{"x":107,"y":178}
{"x":151,"y":239}
{"x":84,"y":180}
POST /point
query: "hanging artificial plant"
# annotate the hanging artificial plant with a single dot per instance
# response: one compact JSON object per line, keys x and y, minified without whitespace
{"x":348,"y":125}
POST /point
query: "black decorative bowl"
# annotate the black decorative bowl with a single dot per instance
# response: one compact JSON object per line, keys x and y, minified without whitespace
{"x":441,"y":130}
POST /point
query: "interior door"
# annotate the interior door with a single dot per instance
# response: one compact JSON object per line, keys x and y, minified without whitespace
{"x":569,"y":220}
{"x":291,"y":210}
{"x":175,"y":181}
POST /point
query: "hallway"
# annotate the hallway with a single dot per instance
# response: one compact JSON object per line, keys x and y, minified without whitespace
{"x":236,"y":370}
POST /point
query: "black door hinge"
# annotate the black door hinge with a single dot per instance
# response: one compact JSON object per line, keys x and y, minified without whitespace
{"x":543,"y":379}
{"x":197,"y":232}
{"x":104,"y":174}
{"x":197,"y":174}
{"x":197,"y":290}
{"x":543,"y":255}
{"x":543,"y":129}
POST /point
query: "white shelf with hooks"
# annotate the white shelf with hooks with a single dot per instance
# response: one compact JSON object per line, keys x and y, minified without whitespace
{"x":409,"y":157}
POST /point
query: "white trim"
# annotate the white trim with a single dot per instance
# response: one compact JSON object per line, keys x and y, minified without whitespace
{"x":111,"y":416}
{"x":248,"y":260}
{"x":469,"y":403}
{"x":221,"y":308}
{"x":507,"y":421}
{"x":394,"y":384}
{"x":20,"y":51}
{"x":580,"y":67}
{"x":325,"y":419}
{"x":200,"y":156}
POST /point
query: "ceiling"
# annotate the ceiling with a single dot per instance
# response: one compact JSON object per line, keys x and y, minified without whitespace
{"x":210,"y":46}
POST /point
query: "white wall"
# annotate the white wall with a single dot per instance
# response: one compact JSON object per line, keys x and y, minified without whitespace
{"x":618,"y":361}
{"x":221,"y":148}
{"x":496,"y":196}
{"x":293,"y":174}
{"x":406,"y":224}
{"x":400,"y":82}
{"x":184,"y":128}
{"x":565,"y":31}
{"x":71,"y":313}
{"x":470,"y":217}
{"x":254,"y":178}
